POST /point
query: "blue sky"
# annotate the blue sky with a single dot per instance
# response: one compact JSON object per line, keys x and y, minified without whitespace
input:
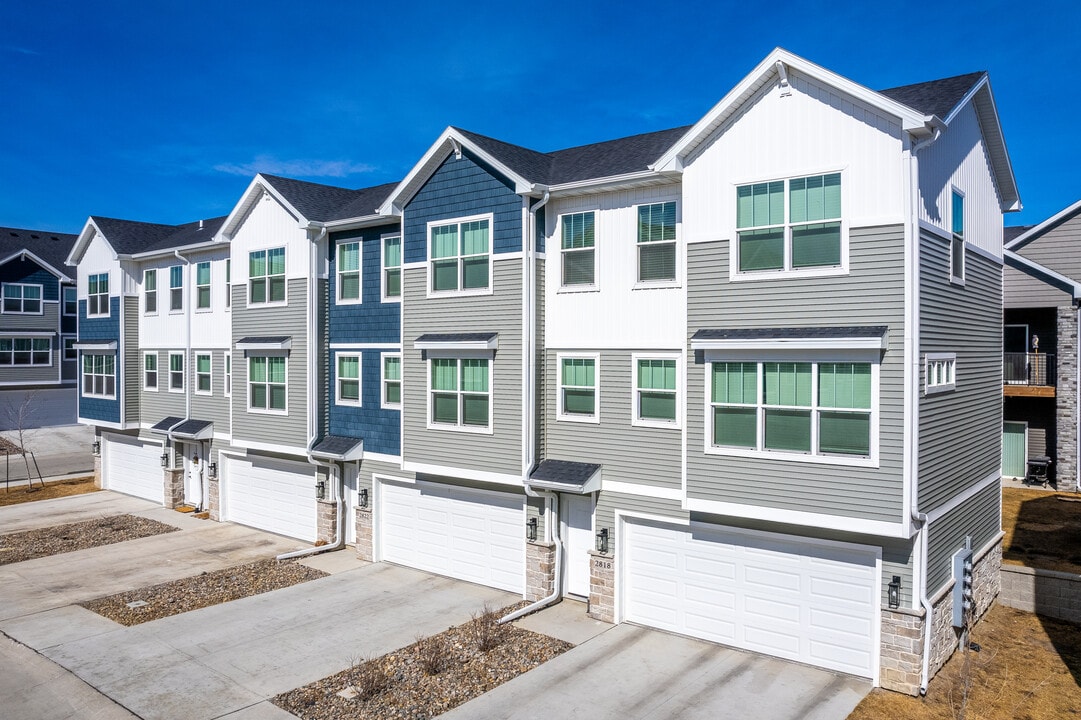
{"x":163,"y":111}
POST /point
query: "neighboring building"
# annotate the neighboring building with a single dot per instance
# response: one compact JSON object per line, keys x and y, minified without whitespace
{"x":1040,"y":349}
{"x":754,"y":398}
{"x":37,"y":310}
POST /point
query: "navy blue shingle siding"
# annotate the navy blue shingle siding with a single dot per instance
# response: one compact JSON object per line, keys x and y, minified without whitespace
{"x":28,"y":271}
{"x":371,"y":320}
{"x":381,"y":429}
{"x":92,"y":329}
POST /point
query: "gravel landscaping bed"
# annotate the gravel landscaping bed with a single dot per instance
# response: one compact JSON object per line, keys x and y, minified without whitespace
{"x":199,"y":591}
{"x":429,"y":677}
{"x":43,"y":542}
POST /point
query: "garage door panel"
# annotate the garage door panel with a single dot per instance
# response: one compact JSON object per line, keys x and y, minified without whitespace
{"x":777,"y":595}
{"x":271,"y":495}
{"x":133,"y":467}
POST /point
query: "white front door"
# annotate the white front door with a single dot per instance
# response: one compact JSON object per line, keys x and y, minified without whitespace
{"x":576,"y":529}
{"x":350,"y":498}
{"x":194,"y":468}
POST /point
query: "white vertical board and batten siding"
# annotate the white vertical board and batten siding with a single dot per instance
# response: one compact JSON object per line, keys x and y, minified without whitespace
{"x":812,"y":131}
{"x":615,"y":314}
{"x":269,"y":225}
{"x":98,"y":259}
{"x":291,"y":320}
{"x":959,"y":159}
{"x":871,"y":294}
{"x":647,"y":456}
{"x":960,"y":430}
{"x":165,"y":328}
{"x":501,"y":312}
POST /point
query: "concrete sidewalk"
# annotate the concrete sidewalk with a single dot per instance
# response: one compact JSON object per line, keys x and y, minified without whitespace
{"x":60,"y":450}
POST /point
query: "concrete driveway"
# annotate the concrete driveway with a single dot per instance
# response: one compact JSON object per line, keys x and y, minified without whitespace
{"x":222,"y":661}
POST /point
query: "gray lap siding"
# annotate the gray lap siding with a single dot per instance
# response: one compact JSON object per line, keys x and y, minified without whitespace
{"x":978,"y":518}
{"x":872,"y":293}
{"x":132,"y":360}
{"x":960,"y":430}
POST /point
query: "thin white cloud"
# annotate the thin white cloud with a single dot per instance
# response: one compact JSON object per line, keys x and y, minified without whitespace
{"x":295,"y":168}
{"x":21,"y":50}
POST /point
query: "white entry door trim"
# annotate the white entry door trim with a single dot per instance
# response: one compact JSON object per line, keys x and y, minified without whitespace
{"x":576,"y":532}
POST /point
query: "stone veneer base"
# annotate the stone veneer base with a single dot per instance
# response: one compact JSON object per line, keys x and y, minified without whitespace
{"x":364,"y":534}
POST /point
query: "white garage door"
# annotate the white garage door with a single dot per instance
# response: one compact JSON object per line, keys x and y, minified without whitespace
{"x":468,"y":534}
{"x":129,"y":465}
{"x":273,"y":495}
{"x":772,"y":594}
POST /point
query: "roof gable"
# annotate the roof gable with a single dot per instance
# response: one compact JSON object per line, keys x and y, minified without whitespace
{"x":49,"y":250}
{"x":1016,"y":240}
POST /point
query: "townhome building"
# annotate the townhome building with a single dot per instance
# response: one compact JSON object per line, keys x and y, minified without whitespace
{"x":739,"y":380}
{"x":38,"y":315}
{"x":1042,"y":289}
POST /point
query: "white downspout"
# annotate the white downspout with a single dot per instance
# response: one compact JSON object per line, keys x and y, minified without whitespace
{"x":339,"y":527}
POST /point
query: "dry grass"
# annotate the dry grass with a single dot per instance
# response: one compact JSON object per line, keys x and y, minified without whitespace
{"x":1043,"y":529}
{"x":62,"y":488}
{"x":1028,"y":668}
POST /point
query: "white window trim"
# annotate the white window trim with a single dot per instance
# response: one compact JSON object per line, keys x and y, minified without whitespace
{"x":854,"y":356}
{"x":247,"y":285}
{"x":64,"y":290}
{"x":734,"y":274}
{"x":267,"y":411}
{"x":490,"y":217}
{"x":229,"y":284}
{"x":64,"y":349}
{"x":655,"y":284}
{"x":558,"y":240}
{"x":82,"y":377}
{"x":169,"y":373}
{"x":383,"y":297}
{"x":339,"y":300}
{"x":227,"y":368}
{"x":157,"y":296}
{"x":22,"y":298}
{"x":338,"y":399}
{"x":157,"y":370}
{"x":209,"y":374}
{"x":647,"y":422}
{"x":949,"y":361}
{"x":459,"y":356}
{"x":383,"y":380}
{"x":31,"y":364}
{"x":956,"y":279}
{"x":561,"y":416}
{"x":180,"y":310}
{"x":107,"y":294}
{"x":209,"y":286}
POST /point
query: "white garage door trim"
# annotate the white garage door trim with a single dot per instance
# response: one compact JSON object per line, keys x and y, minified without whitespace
{"x":435,"y":510}
{"x":827,"y":566}
{"x":132,"y":466}
{"x":270,"y":494}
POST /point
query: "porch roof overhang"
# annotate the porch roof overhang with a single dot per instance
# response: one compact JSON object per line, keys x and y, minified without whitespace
{"x":268,"y":342}
{"x":566,"y":476}
{"x":96,"y":345}
{"x":339,"y":448}
{"x":865,"y":337}
{"x":457,"y":341}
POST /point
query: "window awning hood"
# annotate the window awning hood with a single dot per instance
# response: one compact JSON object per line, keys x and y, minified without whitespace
{"x":566,"y":476}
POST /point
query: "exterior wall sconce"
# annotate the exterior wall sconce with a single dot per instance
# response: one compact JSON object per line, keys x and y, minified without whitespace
{"x":363,"y":502}
{"x":602,"y":540}
{"x":321,"y":490}
{"x":165,"y":459}
{"x":95,"y":448}
{"x":212,"y":468}
{"x":531,"y":530}
{"x":895,"y":592}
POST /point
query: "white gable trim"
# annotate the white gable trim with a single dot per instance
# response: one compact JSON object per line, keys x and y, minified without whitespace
{"x":1031,"y":233}
{"x":24,"y":253}
{"x":86,"y":236}
{"x":259,"y":185}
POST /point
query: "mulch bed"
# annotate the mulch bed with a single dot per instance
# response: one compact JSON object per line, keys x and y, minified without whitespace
{"x":199,"y":591}
{"x":1043,"y":529}
{"x":401,"y":685}
{"x":8,"y":448}
{"x":16,"y":494}
{"x":43,"y":542}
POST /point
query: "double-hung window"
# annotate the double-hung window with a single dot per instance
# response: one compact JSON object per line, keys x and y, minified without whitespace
{"x":349,"y":272}
{"x":267,"y":384}
{"x":150,"y":291}
{"x":71,"y":302}
{"x":577,"y":249}
{"x":99,"y":376}
{"x":70,"y":353}
{"x":22,"y":299}
{"x":266,"y":276}
{"x":150,"y":371}
{"x":460,"y":393}
{"x":657,"y":242}
{"x":228,"y":374}
{"x":97,"y":295}
{"x":793,"y":408}
{"x":202,"y":374}
{"x":392,"y":267}
{"x":202,"y":286}
{"x":349,"y":379}
{"x":790,"y":224}
{"x":578,"y":393}
{"x":176,"y":288}
{"x":655,"y":393}
{"x":391,"y":380}
{"x":228,"y":283}
{"x":176,"y":372}
{"x":460,"y":255}
{"x":957,"y":237}
{"x":26,"y":351}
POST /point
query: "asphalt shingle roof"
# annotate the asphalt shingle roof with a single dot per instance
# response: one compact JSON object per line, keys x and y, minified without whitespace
{"x":1011,"y":233}
{"x":51,"y":247}
{"x":456,"y":337}
{"x":335,"y":445}
{"x":565,"y":472}
{"x":809,"y":333}
{"x":935,"y":97}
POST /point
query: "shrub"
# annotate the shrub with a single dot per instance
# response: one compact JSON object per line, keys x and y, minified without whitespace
{"x":369,"y":677}
{"x":487,"y":632}
{"x":434,"y":654}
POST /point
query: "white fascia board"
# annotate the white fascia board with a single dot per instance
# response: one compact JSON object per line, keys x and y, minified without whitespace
{"x":475,"y":345}
{"x":256,"y":188}
{"x":764,"y":344}
{"x":1035,"y":266}
{"x":447,"y":143}
{"x":24,"y":253}
{"x":209,"y":244}
{"x":1004,"y":169}
{"x":90,"y":345}
{"x":357,"y":222}
{"x":609,"y":183}
{"x":671,"y":161}
{"x":83,"y":241}
{"x":877,"y":528}
{"x":593,"y":484}
{"x":1035,"y":230}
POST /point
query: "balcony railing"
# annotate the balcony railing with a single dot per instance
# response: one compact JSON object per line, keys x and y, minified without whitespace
{"x":1036,"y":369}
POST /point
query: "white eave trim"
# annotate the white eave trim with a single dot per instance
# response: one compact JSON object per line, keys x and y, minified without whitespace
{"x":357,"y":222}
{"x":91,"y":345}
{"x":774,"y":344}
{"x":481,"y":345}
{"x":285,"y":344}
{"x":168,"y":252}
{"x":258,"y":185}
{"x":24,"y":253}
{"x":610,"y":182}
